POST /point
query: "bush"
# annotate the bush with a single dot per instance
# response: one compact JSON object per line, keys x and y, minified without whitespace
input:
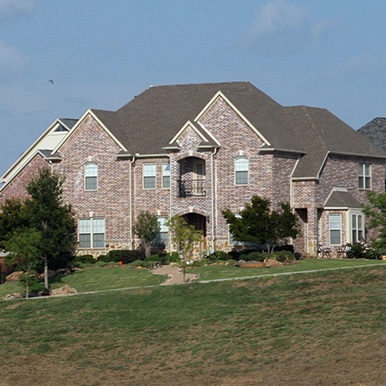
{"x":84,"y":259}
{"x":363,"y":251}
{"x":104,"y":258}
{"x":125,"y":255}
{"x":218,"y":256}
{"x":153,"y":258}
{"x":284,"y":256}
{"x":172,"y":257}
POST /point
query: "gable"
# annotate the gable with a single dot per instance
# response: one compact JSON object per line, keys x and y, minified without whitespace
{"x":47,"y":141}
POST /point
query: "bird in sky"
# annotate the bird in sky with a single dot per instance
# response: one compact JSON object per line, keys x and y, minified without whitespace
{"x":52,"y":82}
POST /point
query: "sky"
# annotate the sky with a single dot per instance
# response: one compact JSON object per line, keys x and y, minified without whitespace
{"x":101,"y":53}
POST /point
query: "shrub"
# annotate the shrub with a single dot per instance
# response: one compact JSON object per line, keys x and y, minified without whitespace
{"x":284,"y":256}
{"x":104,"y":258}
{"x":253,"y":256}
{"x":153,"y":258}
{"x":172,"y":257}
{"x":363,"y":251}
{"x":125,"y":255}
{"x":84,"y":259}
{"x":218,"y":256}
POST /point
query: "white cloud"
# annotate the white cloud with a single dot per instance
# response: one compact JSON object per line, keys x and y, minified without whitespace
{"x":12,"y":8}
{"x":282,"y":28}
{"x":10,"y":58}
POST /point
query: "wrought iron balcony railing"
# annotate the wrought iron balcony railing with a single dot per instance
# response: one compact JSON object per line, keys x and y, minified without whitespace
{"x":189,"y":188}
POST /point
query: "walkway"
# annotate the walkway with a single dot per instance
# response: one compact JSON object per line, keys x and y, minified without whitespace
{"x":174,"y":275}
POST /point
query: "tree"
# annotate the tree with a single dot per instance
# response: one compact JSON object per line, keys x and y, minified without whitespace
{"x":147,"y":229}
{"x":25,"y":253}
{"x":184,"y":236}
{"x":52,"y":218}
{"x":376,"y":210}
{"x":258,"y":223}
{"x":12,"y":217}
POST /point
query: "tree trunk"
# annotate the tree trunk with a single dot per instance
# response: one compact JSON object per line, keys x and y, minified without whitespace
{"x":46,"y":273}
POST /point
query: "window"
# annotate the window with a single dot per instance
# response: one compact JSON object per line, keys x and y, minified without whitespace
{"x":357,"y":228}
{"x":241,"y":171}
{"x":166,"y":175}
{"x":364,"y":176}
{"x":91,"y":176}
{"x":92,"y":233}
{"x":149,"y":173}
{"x":162,"y":240}
{"x":335,"y":229}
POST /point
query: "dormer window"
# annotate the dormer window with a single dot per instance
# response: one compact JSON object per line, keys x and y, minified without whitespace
{"x":91,"y":176}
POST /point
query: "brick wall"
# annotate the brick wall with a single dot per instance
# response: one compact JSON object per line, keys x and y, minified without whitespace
{"x":16,"y":187}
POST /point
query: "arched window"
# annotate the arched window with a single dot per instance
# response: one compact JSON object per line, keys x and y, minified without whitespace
{"x":91,"y":176}
{"x":241,"y":171}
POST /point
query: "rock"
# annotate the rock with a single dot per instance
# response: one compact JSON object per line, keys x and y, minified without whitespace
{"x":252,"y":264}
{"x":14,"y":276}
{"x":272,"y":263}
{"x":65,"y":290}
{"x":13,"y":296}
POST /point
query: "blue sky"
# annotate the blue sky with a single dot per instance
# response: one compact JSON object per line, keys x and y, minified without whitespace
{"x":100,"y":53}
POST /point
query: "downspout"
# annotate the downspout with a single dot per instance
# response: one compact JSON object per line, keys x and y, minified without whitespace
{"x":170,"y":200}
{"x":214,"y":195}
{"x":131,"y":202}
{"x":292,"y":203}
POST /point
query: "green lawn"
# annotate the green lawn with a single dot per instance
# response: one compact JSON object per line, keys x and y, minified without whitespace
{"x":307,"y":329}
{"x":114,"y":277}
{"x":221,"y":272}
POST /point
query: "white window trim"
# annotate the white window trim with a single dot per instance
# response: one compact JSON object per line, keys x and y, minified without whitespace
{"x":91,"y":176}
{"x":330,"y":229}
{"x":235,"y":170}
{"x":351,"y":213}
{"x":362,"y":174}
{"x":92,"y":232}
{"x":153,"y":176}
{"x":168,"y":174}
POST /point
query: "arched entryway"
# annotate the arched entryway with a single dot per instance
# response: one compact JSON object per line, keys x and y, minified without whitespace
{"x":199,"y":223}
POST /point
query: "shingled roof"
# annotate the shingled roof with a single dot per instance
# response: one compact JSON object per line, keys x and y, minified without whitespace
{"x":375,"y":131}
{"x":147,"y":123}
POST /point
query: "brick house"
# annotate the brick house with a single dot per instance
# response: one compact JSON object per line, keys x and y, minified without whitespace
{"x":194,"y":150}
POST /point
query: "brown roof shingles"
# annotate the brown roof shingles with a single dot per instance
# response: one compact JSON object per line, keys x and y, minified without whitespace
{"x":148,"y":122}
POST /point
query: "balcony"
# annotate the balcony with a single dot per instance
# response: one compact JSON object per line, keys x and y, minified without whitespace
{"x":191,"y":188}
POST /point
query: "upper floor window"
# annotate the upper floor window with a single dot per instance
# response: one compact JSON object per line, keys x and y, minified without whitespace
{"x":241,"y":171}
{"x":91,"y":176}
{"x":91,"y":232}
{"x":335,"y":226}
{"x":364,"y":176}
{"x":149,"y":174}
{"x":166,"y":175}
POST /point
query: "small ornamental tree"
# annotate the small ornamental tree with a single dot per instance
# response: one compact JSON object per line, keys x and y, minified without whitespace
{"x":258,"y":223}
{"x":185,"y":237}
{"x":147,"y":229}
{"x":52,"y":218}
{"x":25,"y":253}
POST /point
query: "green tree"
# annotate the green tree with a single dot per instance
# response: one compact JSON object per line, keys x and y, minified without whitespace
{"x":54,"y":220}
{"x":24,"y":250}
{"x":376,"y":211}
{"x":12,"y":217}
{"x":258,"y":223}
{"x":185,"y":237}
{"x":147,"y":229}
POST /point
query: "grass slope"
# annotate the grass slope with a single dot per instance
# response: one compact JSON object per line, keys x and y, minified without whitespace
{"x":307,"y":329}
